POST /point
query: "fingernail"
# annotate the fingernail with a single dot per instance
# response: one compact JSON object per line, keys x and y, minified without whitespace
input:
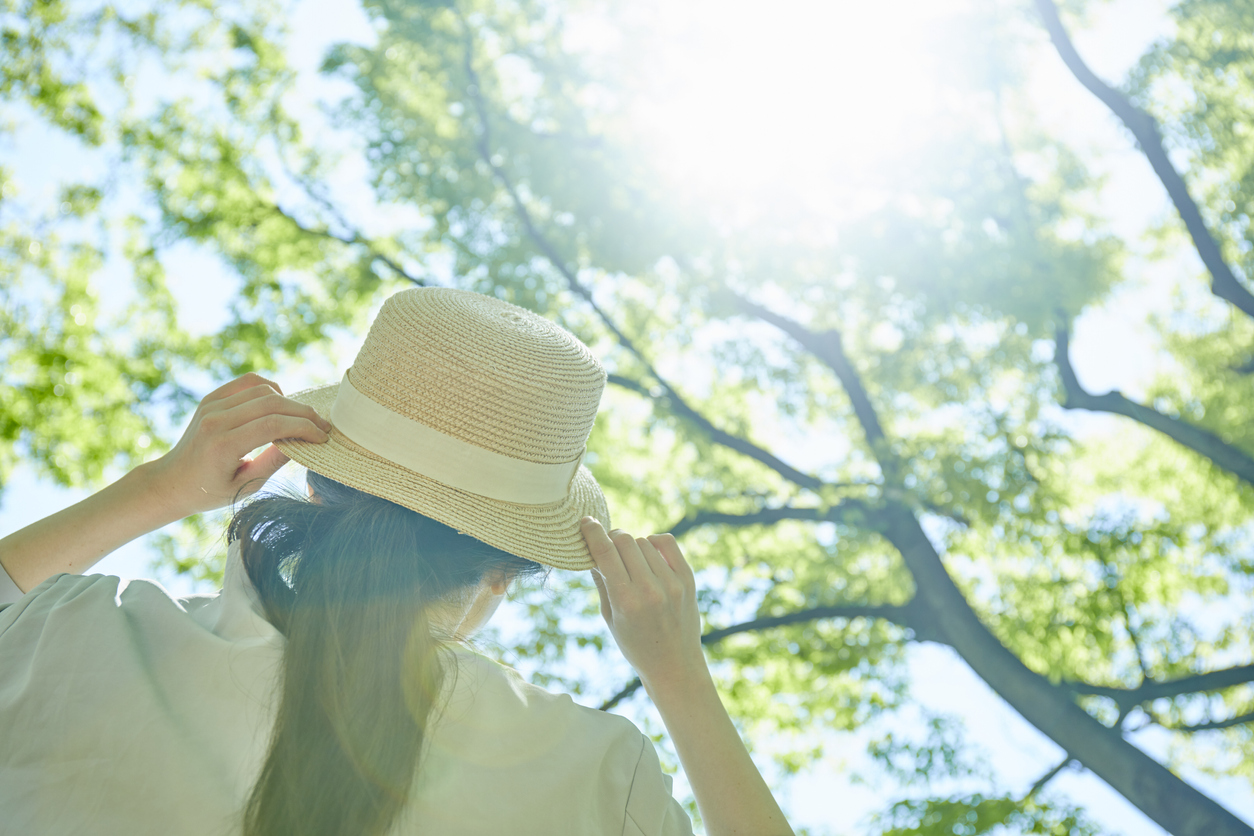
{"x":586,"y":520}
{"x":326,"y":425}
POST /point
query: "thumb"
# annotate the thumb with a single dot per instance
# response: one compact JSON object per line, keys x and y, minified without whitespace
{"x":606,"y":612}
{"x":261,"y":468}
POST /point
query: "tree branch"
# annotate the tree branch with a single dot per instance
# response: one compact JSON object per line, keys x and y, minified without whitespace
{"x":670,"y":400}
{"x":1221,"y":453}
{"x":630,"y":385}
{"x":628,"y":689}
{"x":849,"y":510}
{"x":1214,"y":725}
{"x":1173,"y":803}
{"x":483,"y":144}
{"x":1223,"y":283}
{"x":826,"y":345}
{"x":1167,"y":799}
{"x":1154,"y":689}
{"x":1170,"y":801}
{"x":353,"y":238}
{"x":905,"y":616}
{"x":674,"y":401}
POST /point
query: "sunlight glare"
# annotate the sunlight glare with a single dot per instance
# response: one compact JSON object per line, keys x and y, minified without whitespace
{"x":750,"y":101}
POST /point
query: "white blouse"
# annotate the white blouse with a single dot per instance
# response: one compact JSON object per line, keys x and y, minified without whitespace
{"x":125,"y":711}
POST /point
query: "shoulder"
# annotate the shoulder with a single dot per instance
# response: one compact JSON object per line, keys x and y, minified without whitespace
{"x":489,"y":708}
{"x":476,"y":684}
{"x":233,"y":613}
{"x":496,"y":726}
{"x":65,"y":597}
{"x":79,"y":634}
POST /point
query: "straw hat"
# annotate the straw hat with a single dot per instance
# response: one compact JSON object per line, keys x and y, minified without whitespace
{"x":473,"y":412}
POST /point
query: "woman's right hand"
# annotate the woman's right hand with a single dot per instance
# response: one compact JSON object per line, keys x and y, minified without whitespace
{"x":209,"y":465}
{"x":205,"y":470}
{"x":649,"y":600}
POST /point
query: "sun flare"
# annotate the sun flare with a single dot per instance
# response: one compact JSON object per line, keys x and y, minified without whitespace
{"x":747,"y":101}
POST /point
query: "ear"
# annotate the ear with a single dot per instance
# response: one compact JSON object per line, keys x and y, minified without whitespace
{"x":498,"y":584}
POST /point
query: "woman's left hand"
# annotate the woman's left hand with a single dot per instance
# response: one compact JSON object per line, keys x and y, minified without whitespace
{"x":209,"y":466}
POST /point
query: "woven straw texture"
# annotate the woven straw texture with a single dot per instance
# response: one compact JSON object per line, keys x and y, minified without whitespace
{"x":490,"y":374}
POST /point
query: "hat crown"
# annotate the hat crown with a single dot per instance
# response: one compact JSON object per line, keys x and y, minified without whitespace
{"x":483,"y":371}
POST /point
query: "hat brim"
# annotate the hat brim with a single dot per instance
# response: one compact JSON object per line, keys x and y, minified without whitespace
{"x":547,"y":534}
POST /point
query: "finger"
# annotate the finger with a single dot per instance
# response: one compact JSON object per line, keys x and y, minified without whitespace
{"x":604,"y":554}
{"x":637,"y":567}
{"x":271,"y":427}
{"x":246,"y":381}
{"x":268,"y":403}
{"x":265,"y":465}
{"x":243,"y":396}
{"x":657,"y":563}
{"x":668,"y":548}
{"x":607,"y":612}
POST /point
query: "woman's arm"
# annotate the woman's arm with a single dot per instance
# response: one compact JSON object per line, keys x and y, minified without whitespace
{"x":207,"y":469}
{"x":648,"y":598}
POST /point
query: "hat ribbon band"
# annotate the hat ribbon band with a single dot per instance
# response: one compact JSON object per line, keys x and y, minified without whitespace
{"x":445,"y":459}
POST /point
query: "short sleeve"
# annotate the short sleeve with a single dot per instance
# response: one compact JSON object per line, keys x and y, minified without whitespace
{"x":651,"y":809}
{"x":9,"y":593}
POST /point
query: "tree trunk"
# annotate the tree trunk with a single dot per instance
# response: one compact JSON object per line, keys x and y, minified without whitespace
{"x":1168,"y":800}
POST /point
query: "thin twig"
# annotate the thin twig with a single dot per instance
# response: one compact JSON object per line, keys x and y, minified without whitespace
{"x":669,"y":400}
{"x":1045,"y":779}
{"x":353,"y":239}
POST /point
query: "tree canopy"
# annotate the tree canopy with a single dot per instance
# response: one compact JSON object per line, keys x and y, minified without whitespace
{"x":852,"y":402}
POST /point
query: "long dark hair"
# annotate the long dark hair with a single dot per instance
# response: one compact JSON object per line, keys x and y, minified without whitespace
{"x":348,"y":577}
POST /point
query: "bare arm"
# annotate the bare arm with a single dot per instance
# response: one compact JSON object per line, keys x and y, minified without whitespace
{"x":648,"y":598}
{"x":205,"y":470}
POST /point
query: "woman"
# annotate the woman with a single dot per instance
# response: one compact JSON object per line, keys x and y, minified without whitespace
{"x":327,"y":688}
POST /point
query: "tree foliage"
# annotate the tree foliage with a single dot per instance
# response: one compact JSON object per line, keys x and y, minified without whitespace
{"x":854,"y":412}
